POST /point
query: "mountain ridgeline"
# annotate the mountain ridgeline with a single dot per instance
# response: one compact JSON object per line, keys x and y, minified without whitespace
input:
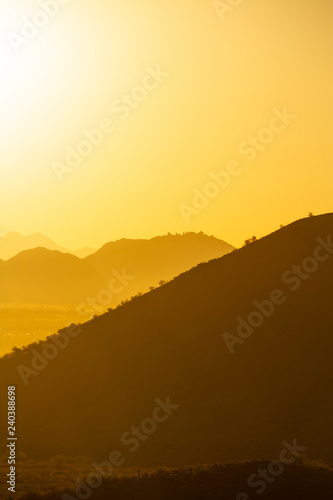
{"x":13,"y":243}
{"x":226,"y":397}
{"x":43,"y":276}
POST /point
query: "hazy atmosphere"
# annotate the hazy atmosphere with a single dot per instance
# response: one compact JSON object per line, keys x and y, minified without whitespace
{"x":221,"y":74}
{"x":166,"y":249}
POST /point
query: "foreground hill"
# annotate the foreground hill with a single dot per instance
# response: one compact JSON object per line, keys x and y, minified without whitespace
{"x":41,"y":276}
{"x":168,"y":348}
{"x":13,"y":243}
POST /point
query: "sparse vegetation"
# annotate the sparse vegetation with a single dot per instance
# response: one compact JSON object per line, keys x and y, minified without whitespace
{"x":250,"y":240}
{"x":199,"y":482}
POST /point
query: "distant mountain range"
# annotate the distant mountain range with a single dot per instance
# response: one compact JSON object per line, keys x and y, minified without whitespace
{"x":49,"y":277}
{"x":168,"y":347}
{"x":13,"y":243}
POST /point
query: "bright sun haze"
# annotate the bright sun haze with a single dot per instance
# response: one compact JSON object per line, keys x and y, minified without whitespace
{"x":225,"y":79}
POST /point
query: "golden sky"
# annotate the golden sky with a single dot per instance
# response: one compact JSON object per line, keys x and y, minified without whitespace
{"x":179,"y":88}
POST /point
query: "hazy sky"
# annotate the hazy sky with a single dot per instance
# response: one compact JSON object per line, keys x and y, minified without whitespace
{"x":222,"y":78}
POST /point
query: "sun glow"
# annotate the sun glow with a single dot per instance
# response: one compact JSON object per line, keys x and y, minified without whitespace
{"x":29,"y":64}
{"x":77,"y":60}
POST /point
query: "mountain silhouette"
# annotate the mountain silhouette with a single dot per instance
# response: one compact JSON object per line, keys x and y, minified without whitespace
{"x":13,"y":243}
{"x":42,"y":276}
{"x":160,"y":258}
{"x":170,"y":343}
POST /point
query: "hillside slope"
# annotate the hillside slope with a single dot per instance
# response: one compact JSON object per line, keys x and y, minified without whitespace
{"x":276,"y":386}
